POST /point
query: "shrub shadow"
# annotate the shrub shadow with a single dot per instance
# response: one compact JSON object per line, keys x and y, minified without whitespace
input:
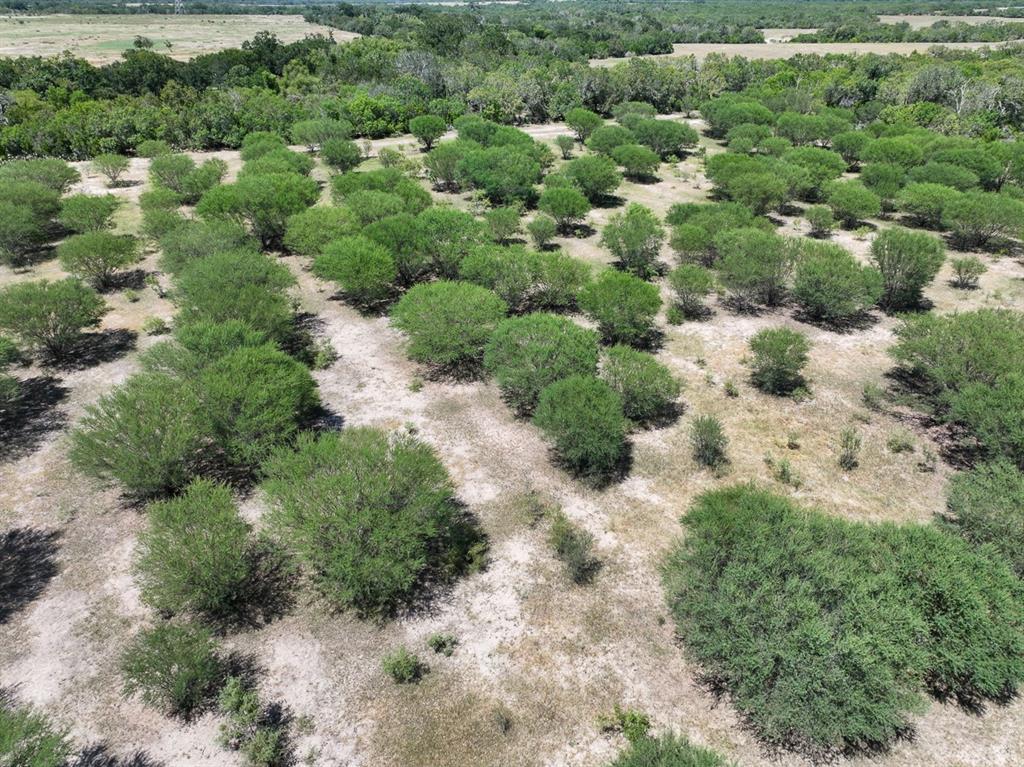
{"x":28,"y":562}
{"x":844,"y":325}
{"x":30,"y":416}
{"x":96,"y":349}
{"x":134,"y":279}
{"x":598,"y":480}
{"x":99,"y":755}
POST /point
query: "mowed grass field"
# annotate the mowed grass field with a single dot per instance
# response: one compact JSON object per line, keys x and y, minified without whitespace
{"x":102,"y":38}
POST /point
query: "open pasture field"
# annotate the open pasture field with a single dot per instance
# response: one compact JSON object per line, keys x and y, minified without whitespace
{"x":784,"y":50}
{"x":101,"y":38}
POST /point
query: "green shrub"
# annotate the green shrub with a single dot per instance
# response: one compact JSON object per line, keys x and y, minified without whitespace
{"x":198,"y":344}
{"x":261,"y":202}
{"x":113,"y":166}
{"x":754,"y":265}
{"x":504,"y":174}
{"x":195,"y":240}
{"x":255,"y":730}
{"x":899,"y":150}
{"x":559,"y":280}
{"x":160,"y":213}
{"x":595,"y":176}
{"x":341,"y":154}
{"x":443,"y":644}
{"x":850,"y":144}
{"x":667,"y":751}
{"x":174,"y":668}
{"x":885,"y":180}
{"x":820,"y":219}
{"x":779,"y":356}
{"x":255,"y":399}
{"x":22,"y":232}
{"x":49,"y":316}
{"x":447,"y":236}
{"x":608,"y":137}
{"x":315,"y":133}
{"x":986,"y":506}
{"x":152,"y":148}
{"x":874,"y":596}
{"x":542,"y":230}
{"x":565,"y":145}
{"x":43,"y":201}
{"x":307,"y":232}
{"x":193,"y":556}
{"x":666,"y":138}
{"x":830,"y":285}
{"x":503,"y":222}
{"x":96,"y":256}
{"x":852,"y":202}
{"x":820,"y":165}
{"x":87,"y":212}
{"x":50,"y":172}
{"x":333,"y":489}
{"x":993,"y":416}
{"x":849,"y":449}
{"x":237,"y":285}
{"x":512,"y":273}
{"x":634,"y":238}
{"x":567,"y":206}
{"x":29,"y":739}
{"x":648,"y":389}
{"x":583,"y":122}
{"x":391,"y":180}
{"x":369,"y":205}
{"x":574,"y":546}
{"x":638,"y":162}
{"x":624,"y":306}
{"x":443,"y":162}
{"x":180,"y":174}
{"x":583,"y":417}
{"x":925,"y":202}
{"x":908,"y":262}
{"x":761,"y":191}
{"x":400,"y":237}
{"x":403,"y":667}
{"x":428,"y":129}
{"x":944,"y":174}
{"x":691,"y":284}
{"x":527,"y":353}
{"x":448,"y":323}
{"x":148,"y":434}
{"x":258,"y":143}
{"x":966,"y":272}
{"x":975,"y":218}
{"x":707,"y":437}
{"x":365,"y":271}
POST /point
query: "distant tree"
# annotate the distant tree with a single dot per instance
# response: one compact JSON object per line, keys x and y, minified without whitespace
{"x":315,"y":133}
{"x":565,"y":145}
{"x":583,"y":122}
{"x":428,"y":129}
{"x":113,"y":166}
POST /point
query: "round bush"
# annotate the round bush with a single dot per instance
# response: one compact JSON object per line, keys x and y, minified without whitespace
{"x":638,"y":162}
{"x":194,"y":240}
{"x":192,"y":557}
{"x":87,"y":212}
{"x":316,"y":133}
{"x":582,"y":416}
{"x":830,"y":285}
{"x":449,"y":323}
{"x":96,"y":256}
{"x":754,"y":265}
{"x":851,"y":202}
{"x":341,"y":154}
{"x":365,"y":271}
{"x":147,"y":434}
{"x":263,"y":202}
{"x":174,"y":668}
{"x":925,"y":202}
{"x":49,"y":316}
{"x":567,"y":206}
{"x":691,"y":284}
{"x":623,"y":306}
{"x":634,"y":238}
{"x":428,"y":129}
{"x":307,"y":232}
{"x":595,"y":176}
{"x":373,"y":516}
{"x":779,"y":356}
{"x":525,"y":354}
{"x":50,"y":172}
{"x":255,"y":399}
{"x":667,"y":751}
{"x":542,"y":230}
{"x":908,"y":261}
{"x":648,"y":389}
{"x":447,"y":236}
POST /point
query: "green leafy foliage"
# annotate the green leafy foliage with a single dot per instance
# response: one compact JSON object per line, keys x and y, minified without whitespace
{"x":583,"y":417}
{"x":708,"y":440}
{"x":624,"y":306}
{"x":647,"y":388}
{"x":634,"y":238}
{"x":365,"y":270}
{"x":527,"y":353}
{"x":908,"y":262}
{"x":667,"y":751}
{"x":691,"y":284}
{"x":263,"y":202}
{"x":29,"y":739}
{"x":87,"y":212}
{"x":195,"y":240}
{"x":97,"y":256}
{"x":49,"y":316}
{"x":373,"y":516}
{"x":309,"y":231}
{"x":779,"y":357}
{"x":831,"y":286}
{"x":986,"y":506}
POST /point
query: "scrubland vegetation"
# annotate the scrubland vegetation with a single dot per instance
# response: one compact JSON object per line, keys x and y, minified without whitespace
{"x":327,"y":439}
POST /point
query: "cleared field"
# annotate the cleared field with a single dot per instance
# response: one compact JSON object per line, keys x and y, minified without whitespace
{"x":784,"y":50}
{"x":101,"y":38}
{"x":919,"y":21}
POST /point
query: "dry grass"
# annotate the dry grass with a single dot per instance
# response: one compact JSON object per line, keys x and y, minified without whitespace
{"x":100,"y":39}
{"x":538,"y":659}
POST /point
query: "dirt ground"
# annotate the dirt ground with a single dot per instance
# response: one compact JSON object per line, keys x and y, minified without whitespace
{"x":533,"y":649}
{"x":100,"y":39}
